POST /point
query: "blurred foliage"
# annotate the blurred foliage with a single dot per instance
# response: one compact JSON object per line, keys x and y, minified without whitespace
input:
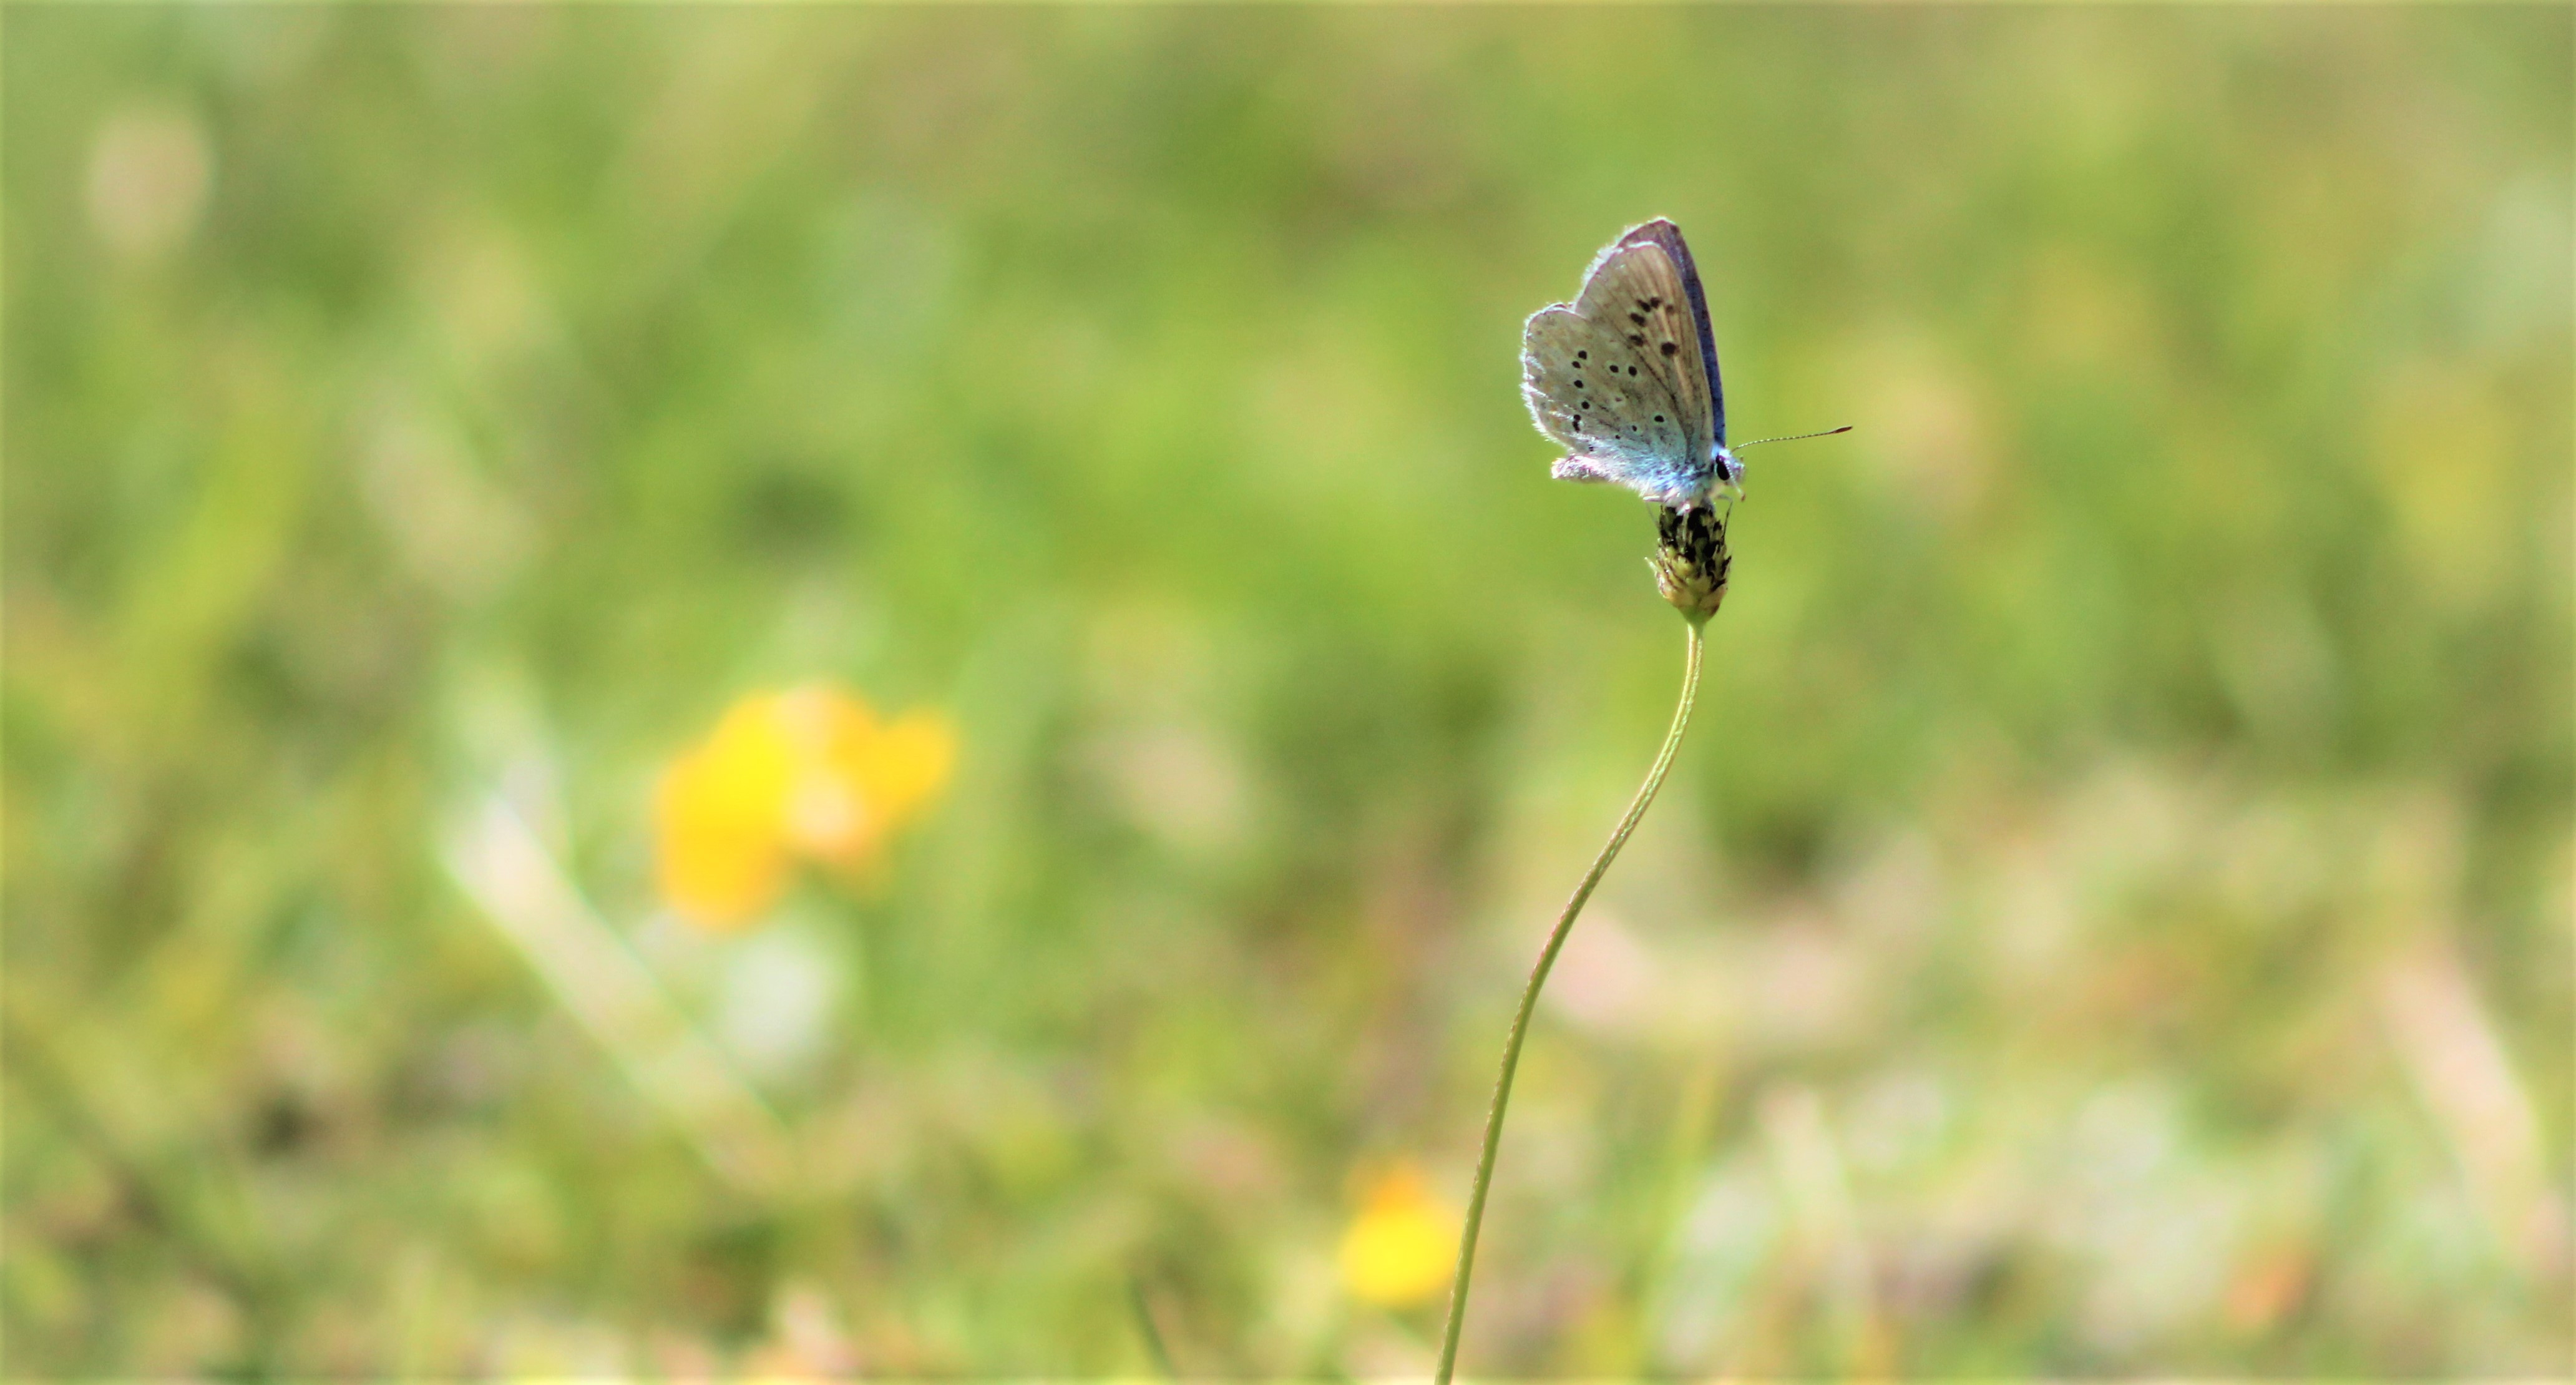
{"x":2114,"y":914}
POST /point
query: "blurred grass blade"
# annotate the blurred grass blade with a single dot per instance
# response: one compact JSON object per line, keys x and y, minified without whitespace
{"x":1145,"y":1328}
{"x":509,"y":872}
{"x":2460,"y":1069}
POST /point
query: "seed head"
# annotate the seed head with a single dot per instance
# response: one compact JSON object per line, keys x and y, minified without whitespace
{"x":1691,"y":561}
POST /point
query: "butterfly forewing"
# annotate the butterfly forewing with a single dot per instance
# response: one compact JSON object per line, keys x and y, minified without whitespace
{"x":1668,"y":237}
{"x":1637,"y":291}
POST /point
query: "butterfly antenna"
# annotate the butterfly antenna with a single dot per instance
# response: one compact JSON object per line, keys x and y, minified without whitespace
{"x":1794,"y":437}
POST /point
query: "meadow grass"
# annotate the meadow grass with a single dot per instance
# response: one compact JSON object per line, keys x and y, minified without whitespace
{"x":2114,"y":917}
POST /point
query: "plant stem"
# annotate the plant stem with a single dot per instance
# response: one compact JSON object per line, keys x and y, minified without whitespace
{"x":1529,"y":1000}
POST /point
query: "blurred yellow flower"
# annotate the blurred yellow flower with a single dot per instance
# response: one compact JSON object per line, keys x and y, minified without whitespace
{"x":1401,"y":1247}
{"x":807,"y":774}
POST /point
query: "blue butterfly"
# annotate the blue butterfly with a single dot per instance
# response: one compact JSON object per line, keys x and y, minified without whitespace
{"x":1626,"y":376}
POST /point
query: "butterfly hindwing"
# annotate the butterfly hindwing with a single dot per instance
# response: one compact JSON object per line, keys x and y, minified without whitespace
{"x":1588,"y":389}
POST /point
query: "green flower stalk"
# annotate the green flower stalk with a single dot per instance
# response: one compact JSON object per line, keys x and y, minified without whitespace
{"x":1690,"y":566}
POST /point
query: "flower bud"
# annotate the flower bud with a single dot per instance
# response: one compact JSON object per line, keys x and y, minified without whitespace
{"x":1690,"y":561}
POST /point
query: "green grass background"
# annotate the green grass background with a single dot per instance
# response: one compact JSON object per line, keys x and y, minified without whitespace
{"x":2113,"y":915}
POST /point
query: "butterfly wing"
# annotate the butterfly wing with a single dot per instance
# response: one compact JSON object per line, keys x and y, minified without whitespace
{"x":1590,"y":390}
{"x":1667,"y":237}
{"x":1620,"y":376}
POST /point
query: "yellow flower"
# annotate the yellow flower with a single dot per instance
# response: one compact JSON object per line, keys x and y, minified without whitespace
{"x":1401,"y":1247}
{"x":806,"y":774}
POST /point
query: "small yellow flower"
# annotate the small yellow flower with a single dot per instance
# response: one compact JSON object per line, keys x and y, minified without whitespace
{"x":806,"y":774}
{"x":1401,"y":1247}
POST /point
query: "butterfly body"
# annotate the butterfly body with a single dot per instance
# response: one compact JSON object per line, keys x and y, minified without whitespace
{"x":1625,"y":376}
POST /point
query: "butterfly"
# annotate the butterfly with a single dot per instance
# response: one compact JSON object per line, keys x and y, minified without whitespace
{"x":1626,"y":376}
